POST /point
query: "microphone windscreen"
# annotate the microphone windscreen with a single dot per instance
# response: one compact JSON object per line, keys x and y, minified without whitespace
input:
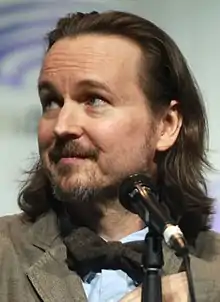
{"x":129,"y":185}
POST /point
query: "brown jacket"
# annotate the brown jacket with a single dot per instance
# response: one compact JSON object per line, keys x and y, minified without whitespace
{"x":33,"y":268}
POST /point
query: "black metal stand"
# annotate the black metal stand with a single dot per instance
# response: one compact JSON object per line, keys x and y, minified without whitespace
{"x":152,"y":263}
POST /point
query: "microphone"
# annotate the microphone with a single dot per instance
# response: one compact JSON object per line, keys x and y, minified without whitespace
{"x":140,"y":196}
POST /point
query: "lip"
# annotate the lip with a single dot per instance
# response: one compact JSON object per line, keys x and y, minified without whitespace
{"x":71,"y":160}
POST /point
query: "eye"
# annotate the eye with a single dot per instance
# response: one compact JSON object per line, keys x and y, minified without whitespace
{"x":50,"y":105}
{"x":95,"y":101}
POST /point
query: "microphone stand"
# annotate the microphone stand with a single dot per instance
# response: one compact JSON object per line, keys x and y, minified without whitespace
{"x":152,"y":264}
{"x":138,"y":195}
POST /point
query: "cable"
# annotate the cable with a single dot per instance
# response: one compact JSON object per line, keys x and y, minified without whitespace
{"x":186,"y":263}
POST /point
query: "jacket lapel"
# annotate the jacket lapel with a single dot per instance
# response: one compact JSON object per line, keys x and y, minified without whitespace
{"x":49,"y":273}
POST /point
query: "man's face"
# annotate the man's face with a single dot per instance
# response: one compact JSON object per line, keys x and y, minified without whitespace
{"x":96,"y":127}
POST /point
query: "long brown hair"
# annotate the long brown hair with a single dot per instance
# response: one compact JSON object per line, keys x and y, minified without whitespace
{"x":163,"y":76}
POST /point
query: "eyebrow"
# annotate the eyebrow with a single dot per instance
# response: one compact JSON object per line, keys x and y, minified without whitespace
{"x":83,"y":84}
{"x":93,"y":84}
{"x":49,"y":86}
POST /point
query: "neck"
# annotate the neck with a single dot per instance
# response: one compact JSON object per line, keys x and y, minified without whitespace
{"x":115,"y":224}
{"x":110,"y":221}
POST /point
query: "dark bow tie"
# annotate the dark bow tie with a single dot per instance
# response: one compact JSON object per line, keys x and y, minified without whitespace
{"x":87,"y":252}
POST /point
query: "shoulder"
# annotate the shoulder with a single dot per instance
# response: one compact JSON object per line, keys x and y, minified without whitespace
{"x":12,"y":228}
{"x":8,"y":225}
{"x":205,"y":266}
{"x":10,"y":222}
{"x":208,"y":245}
{"x":205,"y":257}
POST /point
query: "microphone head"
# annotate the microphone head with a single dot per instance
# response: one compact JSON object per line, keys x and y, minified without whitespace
{"x":129,"y":185}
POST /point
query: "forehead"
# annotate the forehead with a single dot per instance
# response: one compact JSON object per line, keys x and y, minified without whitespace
{"x":113,"y":60}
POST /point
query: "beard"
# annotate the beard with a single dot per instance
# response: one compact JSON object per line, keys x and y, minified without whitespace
{"x":66,"y":180}
{"x":93,"y":194}
{"x":67,"y":183}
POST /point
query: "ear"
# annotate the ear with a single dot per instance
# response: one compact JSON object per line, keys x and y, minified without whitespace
{"x":170,"y":127}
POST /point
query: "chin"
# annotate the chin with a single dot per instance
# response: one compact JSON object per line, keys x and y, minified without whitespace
{"x":74,"y":189}
{"x":74,"y":180}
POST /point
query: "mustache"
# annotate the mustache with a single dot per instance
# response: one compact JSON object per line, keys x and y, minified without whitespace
{"x":71,"y":149}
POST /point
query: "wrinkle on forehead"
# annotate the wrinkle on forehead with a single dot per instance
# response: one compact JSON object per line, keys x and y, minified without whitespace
{"x":110,"y":59}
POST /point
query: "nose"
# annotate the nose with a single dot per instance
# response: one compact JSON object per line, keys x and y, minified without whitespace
{"x":69,"y":121}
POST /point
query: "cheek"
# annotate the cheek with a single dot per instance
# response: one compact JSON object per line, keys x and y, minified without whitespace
{"x":121,"y":133}
{"x":45,"y":134}
{"x":123,"y":147}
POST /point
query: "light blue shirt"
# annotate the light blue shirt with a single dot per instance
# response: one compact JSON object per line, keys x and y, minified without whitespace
{"x":111,"y":285}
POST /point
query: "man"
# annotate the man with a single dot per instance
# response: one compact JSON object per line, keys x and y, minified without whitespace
{"x":117,"y":98}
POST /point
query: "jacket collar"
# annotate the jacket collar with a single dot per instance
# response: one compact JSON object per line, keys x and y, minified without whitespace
{"x":44,"y":233}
